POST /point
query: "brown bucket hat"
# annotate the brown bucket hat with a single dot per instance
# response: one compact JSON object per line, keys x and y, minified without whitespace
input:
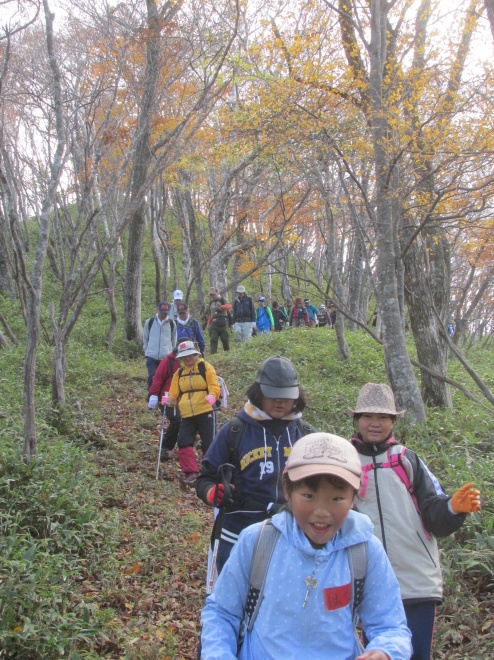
{"x":376,"y":398}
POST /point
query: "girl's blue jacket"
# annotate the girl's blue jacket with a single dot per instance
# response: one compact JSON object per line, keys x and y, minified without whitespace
{"x":284,"y":628}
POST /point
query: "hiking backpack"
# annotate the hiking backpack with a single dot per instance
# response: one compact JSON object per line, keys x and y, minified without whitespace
{"x":396,"y":461}
{"x":201,"y":367}
{"x":152,"y":319}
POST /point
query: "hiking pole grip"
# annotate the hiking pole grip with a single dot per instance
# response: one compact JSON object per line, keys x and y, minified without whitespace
{"x":224,"y":477}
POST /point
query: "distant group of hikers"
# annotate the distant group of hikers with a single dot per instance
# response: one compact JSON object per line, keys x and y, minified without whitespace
{"x":313,"y":533}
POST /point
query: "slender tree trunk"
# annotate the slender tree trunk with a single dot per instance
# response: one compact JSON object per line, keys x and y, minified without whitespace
{"x":58,"y":378}
{"x":195,"y":251}
{"x":34,"y":290}
{"x":356,"y":282}
{"x":400,"y":370}
{"x":343,"y":350}
{"x":142,"y":159}
{"x":5,"y":274}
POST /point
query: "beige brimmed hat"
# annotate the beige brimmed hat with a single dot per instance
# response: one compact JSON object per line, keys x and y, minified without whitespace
{"x":376,"y":398}
{"x":324,"y":453}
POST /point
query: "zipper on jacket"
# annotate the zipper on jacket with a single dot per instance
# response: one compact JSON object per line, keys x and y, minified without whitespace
{"x":426,"y":549}
{"x":376,"y":467}
{"x":279,"y":466}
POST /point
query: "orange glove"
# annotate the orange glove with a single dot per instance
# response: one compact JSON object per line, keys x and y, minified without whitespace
{"x":466,"y":499}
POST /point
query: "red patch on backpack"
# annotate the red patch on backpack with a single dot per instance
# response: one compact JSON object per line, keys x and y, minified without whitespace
{"x":337,"y":597}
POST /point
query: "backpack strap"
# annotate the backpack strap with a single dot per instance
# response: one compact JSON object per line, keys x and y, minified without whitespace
{"x":304,"y":427}
{"x":151,"y":321}
{"x":202,"y":371}
{"x":235,"y":432}
{"x":396,"y":463}
{"x":357,"y":560}
{"x":266,"y":541}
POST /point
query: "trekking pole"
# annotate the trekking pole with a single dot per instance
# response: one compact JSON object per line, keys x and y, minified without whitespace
{"x":161,"y":441}
{"x":224,"y":476}
{"x":215,"y":421}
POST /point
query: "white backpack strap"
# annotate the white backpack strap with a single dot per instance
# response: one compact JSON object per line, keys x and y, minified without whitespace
{"x":261,"y":557}
{"x":357,"y":560}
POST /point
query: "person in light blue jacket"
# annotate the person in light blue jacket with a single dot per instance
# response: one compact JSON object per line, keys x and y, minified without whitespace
{"x":306,"y":609}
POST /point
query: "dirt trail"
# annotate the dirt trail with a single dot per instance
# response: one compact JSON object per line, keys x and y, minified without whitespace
{"x":157,"y":588}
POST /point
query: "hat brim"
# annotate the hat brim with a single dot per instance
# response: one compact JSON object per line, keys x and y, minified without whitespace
{"x":299,"y":472}
{"x":191,"y":351}
{"x":280,"y":392}
{"x":378,"y":410}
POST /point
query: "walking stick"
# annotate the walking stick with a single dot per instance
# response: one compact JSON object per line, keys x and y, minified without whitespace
{"x":224,"y":476}
{"x":161,"y":442}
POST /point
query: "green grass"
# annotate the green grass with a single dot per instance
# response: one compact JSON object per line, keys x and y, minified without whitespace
{"x":54,"y":531}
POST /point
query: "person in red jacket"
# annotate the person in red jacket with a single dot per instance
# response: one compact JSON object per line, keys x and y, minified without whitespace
{"x":161,"y":385}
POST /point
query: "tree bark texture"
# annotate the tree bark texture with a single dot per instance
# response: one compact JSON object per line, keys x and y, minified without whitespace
{"x":140,"y":165}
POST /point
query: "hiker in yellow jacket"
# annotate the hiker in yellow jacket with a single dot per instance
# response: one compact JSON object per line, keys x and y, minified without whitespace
{"x":195,"y":389}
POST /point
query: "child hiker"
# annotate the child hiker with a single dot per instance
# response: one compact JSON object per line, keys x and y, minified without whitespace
{"x":306,"y":609}
{"x":266,"y":429}
{"x":407,"y":505}
{"x":195,"y":389}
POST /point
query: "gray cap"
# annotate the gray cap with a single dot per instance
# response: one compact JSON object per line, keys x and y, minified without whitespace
{"x":278,"y":378}
{"x":240,"y":289}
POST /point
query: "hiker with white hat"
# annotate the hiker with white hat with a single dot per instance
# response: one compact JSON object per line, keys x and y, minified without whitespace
{"x":195,"y":389}
{"x":178,"y":297}
{"x":311,"y":599}
{"x":323,"y":318}
{"x":408,"y":507}
{"x":244,"y":315}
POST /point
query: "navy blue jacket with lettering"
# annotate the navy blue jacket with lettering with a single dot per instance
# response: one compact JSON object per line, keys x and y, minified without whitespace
{"x":259,"y":468}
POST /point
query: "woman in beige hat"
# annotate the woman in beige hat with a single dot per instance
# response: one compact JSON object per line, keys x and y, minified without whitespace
{"x":407,"y":505}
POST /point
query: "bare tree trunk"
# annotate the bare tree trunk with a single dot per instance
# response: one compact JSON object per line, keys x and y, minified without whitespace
{"x":8,"y":330}
{"x":58,"y":378}
{"x":401,"y":374}
{"x":5,"y":274}
{"x":356,"y":282}
{"x":343,"y":350}
{"x":286,"y":292}
{"x":110,"y":283}
{"x":489,"y":5}
{"x":156,"y":212}
{"x":423,"y":282}
{"x":34,"y":290}
{"x":194,"y":248}
{"x":142,"y":159}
